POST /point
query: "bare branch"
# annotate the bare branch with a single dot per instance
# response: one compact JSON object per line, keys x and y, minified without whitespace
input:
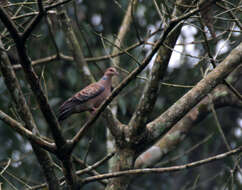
{"x":56,"y":5}
{"x":221,"y":97}
{"x":164,"y":122}
{"x":46,"y":60}
{"x":164,"y":170}
{"x":75,"y":46}
{"x":26,"y":133}
{"x":150,"y":94}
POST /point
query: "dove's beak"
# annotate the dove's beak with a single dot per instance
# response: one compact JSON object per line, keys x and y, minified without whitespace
{"x":116,"y":73}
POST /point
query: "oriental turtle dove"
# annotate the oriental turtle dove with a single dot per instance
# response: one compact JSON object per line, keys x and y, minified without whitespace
{"x":90,"y":97}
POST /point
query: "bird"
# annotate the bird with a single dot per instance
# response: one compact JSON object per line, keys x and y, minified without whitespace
{"x":89,"y":98}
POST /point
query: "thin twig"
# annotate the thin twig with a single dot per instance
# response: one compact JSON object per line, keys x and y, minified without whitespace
{"x":97,"y":164}
{"x":5,"y":167}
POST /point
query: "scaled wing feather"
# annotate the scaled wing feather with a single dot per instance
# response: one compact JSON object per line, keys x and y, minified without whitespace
{"x":89,"y":92}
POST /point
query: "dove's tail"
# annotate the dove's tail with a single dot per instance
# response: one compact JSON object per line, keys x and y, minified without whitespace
{"x":65,"y":111}
{"x":64,"y":114}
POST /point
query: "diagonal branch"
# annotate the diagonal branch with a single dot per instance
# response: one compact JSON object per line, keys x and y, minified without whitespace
{"x":58,"y":4}
{"x":10,"y":25}
{"x":27,"y":133}
{"x":75,"y":46}
{"x":221,"y":97}
{"x":165,"y":121}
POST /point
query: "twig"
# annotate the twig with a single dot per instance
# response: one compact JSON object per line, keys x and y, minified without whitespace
{"x":18,"y":179}
{"x":159,"y":13}
{"x":126,"y":52}
{"x":92,"y":172}
{"x":97,"y":164}
{"x":231,"y":13}
{"x":5,"y":167}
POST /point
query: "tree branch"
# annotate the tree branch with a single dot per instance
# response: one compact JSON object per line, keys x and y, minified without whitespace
{"x":165,"y":169}
{"x":164,"y":122}
{"x":10,"y":25}
{"x":221,"y":96}
{"x":75,"y":46}
{"x":151,"y":91}
{"x":27,"y":133}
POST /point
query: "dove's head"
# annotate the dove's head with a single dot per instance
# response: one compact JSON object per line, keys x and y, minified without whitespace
{"x":111,"y":71}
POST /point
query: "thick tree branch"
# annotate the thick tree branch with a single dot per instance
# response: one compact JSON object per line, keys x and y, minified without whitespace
{"x":221,"y":97}
{"x":62,"y":146}
{"x":164,"y":122}
{"x":115,"y":136}
{"x":114,"y":125}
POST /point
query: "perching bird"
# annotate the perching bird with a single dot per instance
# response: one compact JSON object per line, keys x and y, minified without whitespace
{"x":90,"y":97}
